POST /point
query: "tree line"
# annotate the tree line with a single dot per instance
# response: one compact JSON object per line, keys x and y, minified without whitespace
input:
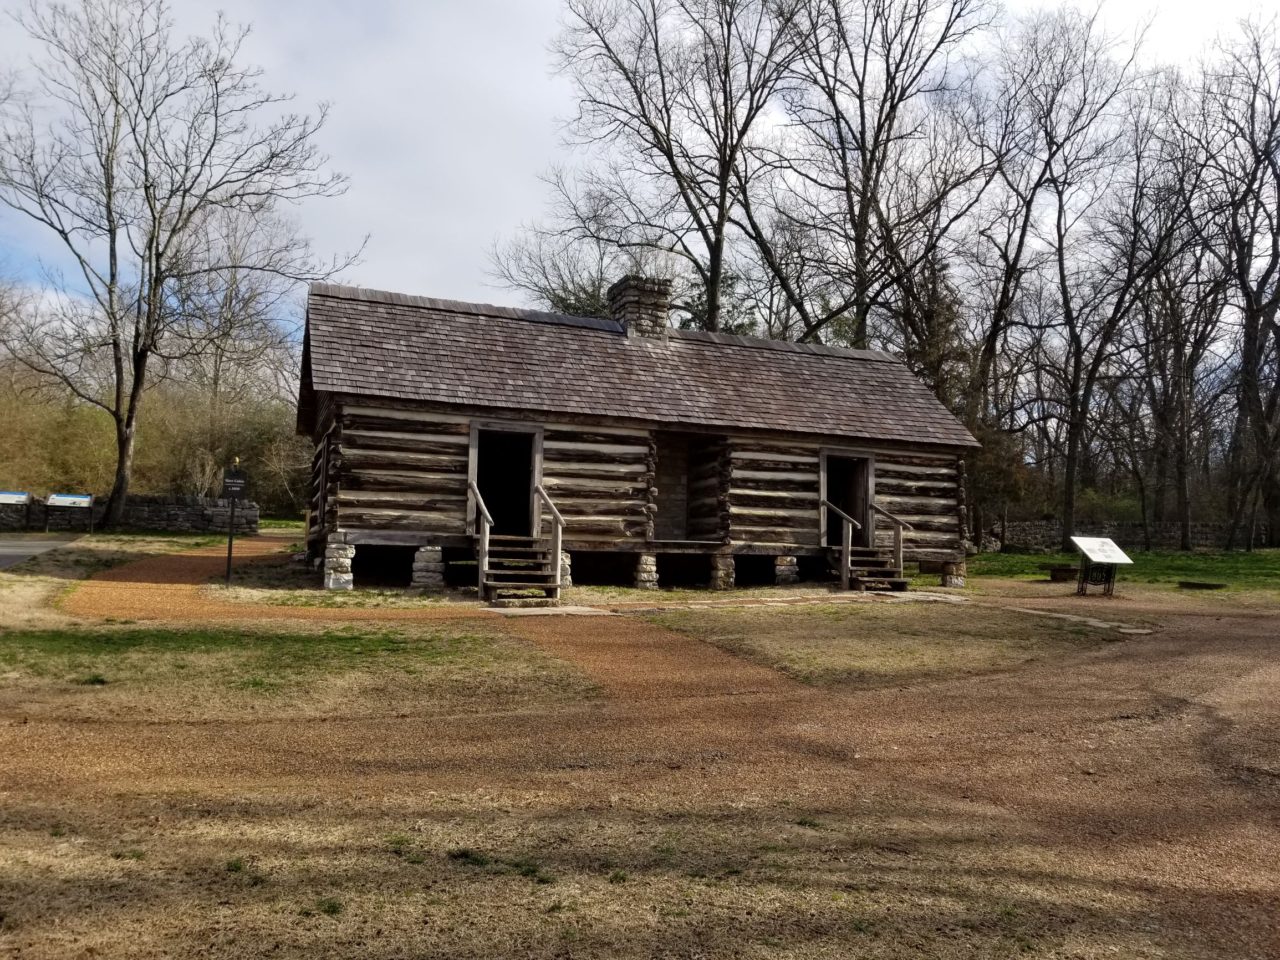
{"x":1075,"y":246}
{"x":161,"y":173}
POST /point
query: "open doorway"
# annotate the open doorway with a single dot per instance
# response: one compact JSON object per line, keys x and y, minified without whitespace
{"x":847,"y":484}
{"x":505,"y":476}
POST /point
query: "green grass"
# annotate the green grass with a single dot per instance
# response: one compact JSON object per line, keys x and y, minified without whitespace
{"x":277,"y":523}
{"x":1238,"y":569}
{"x":254,"y":662}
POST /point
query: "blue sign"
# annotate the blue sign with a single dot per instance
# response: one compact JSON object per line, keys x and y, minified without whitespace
{"x":13,"y":496}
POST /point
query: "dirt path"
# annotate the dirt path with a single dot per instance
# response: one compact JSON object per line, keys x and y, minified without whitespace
{"x":172,"y":587}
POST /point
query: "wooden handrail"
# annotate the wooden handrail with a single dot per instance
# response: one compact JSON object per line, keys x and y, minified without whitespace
{"x":890,"y":517}
{"x":557,"y":531}
{"x":840,"y":513}
{"x":482,"y":548}
{"x":898,"y":526}
{"x":474,"y":491}
{"x":546,"y":498}
{"x":847,"y":524}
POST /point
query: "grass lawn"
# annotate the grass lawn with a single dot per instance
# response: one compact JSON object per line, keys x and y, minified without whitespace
{"x":114,"y":670}
{"x":881,"y":644}
{"x":1240,"y":570}
{"x":276,"y":523}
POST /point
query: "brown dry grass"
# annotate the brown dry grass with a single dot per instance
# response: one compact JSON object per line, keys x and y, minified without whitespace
{"x":884,"y":643}
{"x":1082,"y":799}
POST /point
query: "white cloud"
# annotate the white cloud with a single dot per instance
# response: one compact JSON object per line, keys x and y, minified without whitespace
{"x":444,"y":116}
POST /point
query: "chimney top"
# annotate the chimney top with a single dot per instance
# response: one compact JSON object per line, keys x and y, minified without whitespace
{"x":642,"y":305}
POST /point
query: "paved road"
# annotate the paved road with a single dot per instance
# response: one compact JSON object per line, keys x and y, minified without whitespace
{"x":14,"y":551}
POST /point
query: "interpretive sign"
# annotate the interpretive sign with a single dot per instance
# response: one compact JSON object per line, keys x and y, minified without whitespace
{"x":69,"y":501}
{"x":1098,"y":564}
{"x":76,"y":500}
{"x":14,"y":497}
{"x":1100,"y":550}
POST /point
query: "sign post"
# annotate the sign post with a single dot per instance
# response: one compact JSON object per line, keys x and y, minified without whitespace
{"x":234,"y":482}
{"x":1099,"y":558}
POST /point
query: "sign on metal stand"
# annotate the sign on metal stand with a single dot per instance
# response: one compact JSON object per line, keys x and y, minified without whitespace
{"x":234,"y":483}
{"x":72,"y":501}
{"x":1099,"y":558}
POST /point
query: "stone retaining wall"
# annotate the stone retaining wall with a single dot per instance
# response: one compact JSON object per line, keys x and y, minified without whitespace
{"x":1045,"y":536}
{"x":167,"y":514}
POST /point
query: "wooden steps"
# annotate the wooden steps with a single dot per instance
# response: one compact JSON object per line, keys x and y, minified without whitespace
{"x":870,"y":569}
{"x":521,"y":571}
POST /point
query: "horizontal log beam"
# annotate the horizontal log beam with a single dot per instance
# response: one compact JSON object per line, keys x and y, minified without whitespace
{"x":623,"y":451}
{"x":912,"y":471}
{"x":375,"y":459}
{"x":750,"y":456}
{"x":593,"y":435}
{"x":553,"y":470}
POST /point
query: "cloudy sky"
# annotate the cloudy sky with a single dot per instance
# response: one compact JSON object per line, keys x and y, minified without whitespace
{"x":444,"y":113}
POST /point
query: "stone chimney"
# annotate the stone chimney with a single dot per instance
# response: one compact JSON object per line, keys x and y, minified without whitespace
{"x":642,"y":305}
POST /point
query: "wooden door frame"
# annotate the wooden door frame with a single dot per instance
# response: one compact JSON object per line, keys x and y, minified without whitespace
{"x":847,"y":453}
{"x":536,"y":430}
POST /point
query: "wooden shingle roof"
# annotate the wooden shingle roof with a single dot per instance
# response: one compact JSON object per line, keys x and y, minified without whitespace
{"x":370,"y":343}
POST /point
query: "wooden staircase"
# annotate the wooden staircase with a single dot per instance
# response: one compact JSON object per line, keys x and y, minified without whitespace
{"x":869,"y":569}
{"x":521,"y":571}
{"x":866,"y":568}
{"x":516,"y":571}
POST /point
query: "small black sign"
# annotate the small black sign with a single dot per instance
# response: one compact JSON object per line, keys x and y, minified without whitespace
{"x":233,"y":484}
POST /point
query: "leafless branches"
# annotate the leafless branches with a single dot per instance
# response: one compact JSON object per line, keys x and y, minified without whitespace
{"x":159,"y":164}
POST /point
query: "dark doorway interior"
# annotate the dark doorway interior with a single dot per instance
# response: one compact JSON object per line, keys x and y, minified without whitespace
{"x":849,"y":488}
{"x":504,"y":474}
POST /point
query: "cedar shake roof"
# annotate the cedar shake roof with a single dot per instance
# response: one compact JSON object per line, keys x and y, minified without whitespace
{"x":375,"y":344}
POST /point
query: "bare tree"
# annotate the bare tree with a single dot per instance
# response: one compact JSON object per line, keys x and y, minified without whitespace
{"x":1055,"y":80}
{"x":876,"y":165}
{"x":561,"y":270}
{"x":671,"y":91}
{"x":130,"y":141}
{"x":1232,"y":186}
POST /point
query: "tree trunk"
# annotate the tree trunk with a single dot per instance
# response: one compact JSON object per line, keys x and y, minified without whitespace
{"x":1270,"y":497}
{"x":124,"y":472}
{"x":1069,"y":472}
{"x":1182,"y":472}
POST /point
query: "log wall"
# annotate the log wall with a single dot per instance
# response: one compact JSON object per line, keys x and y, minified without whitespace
{"x":402,"y":470}
{"x":399,"y":468}
{"x":709,"y":471}
{"x":923,"y":490}
{"x":602,"y":480}
{"x":774,"y":491}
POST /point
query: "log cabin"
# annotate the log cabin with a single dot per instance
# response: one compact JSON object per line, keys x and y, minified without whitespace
{"x":517,"y":449}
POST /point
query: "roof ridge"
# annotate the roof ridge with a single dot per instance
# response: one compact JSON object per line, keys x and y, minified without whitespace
{"x":764,"y":343}
{"x":340,"y":291}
